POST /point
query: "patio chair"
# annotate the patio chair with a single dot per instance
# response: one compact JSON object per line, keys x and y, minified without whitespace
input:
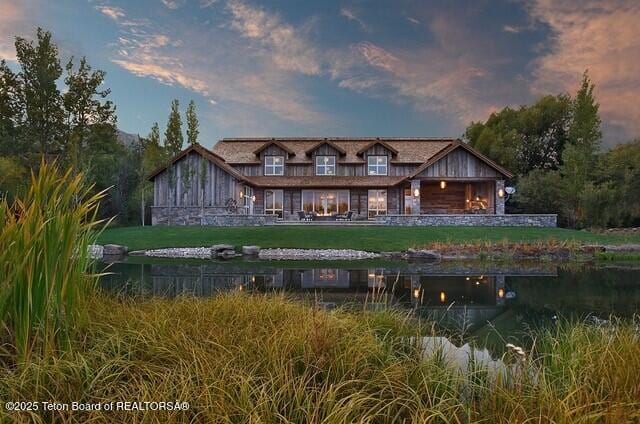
{"x":348,"y":216}
{"x":303,"y":216}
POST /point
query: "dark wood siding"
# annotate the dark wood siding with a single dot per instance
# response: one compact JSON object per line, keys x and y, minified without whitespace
{"x":435,"y":200}
{"x":460,"y":164}
{"x":194,"y":181}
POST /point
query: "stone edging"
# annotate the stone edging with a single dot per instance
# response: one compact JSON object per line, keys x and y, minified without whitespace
{"x":227,"y":251}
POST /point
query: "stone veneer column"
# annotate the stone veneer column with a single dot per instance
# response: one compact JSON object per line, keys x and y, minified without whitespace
{"x":415,"y":201}
{"x":500,"y":200}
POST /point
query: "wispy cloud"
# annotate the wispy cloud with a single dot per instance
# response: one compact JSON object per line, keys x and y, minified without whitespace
{"x":284,"y":44}
{"x":601,"y":37}
{"x":112,"y":12}
{"x":173,"y":4}
{"x":234,"y":76}
{"x":512,"y":29}
{"x":455,"y":76}
{"x":351,"y":15}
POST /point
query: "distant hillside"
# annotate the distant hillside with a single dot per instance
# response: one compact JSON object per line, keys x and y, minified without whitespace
{"x":128,"y":140}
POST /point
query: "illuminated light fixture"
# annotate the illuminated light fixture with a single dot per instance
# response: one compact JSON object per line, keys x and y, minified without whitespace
{"x":477,"y":198}
{"x":477,"y":283}
{"x":253,"y":198}
{"x":241,"y":193}
{"x":443,"y":296}
{"x":468,"y":278}
{"x":500,"y":293}
{"x":443,"y":185}
{"x":241,"y":287}
{"x":500,"y":193}
{"x":416,"y":192}
{"x":416,"y":293}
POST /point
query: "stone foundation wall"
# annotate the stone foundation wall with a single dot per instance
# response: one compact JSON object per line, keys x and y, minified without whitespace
{"x":185,"y":215}
{"x":537,"y":220}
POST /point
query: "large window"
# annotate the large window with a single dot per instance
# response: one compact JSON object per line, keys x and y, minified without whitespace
{"x":325,"y":165}
{"x":377,"y":203}
{"x":325,"y":203}
{"x":273,"y":202}
{"x":274,"y":165}
{"x":377,"y":165}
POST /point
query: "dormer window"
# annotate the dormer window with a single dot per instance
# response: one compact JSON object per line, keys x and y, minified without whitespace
{"x":376,"y":165}
{"x":274,"y":165}
{"x":325,"y":165}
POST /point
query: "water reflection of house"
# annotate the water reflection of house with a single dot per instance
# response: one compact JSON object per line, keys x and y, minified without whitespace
{"x":460,"y":293}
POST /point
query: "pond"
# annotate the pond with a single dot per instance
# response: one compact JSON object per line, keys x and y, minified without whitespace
{"x":491,"y":301}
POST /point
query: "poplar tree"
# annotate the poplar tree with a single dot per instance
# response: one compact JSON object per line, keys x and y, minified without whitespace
{"x":192,"y":123}
{"x":173,"y":139}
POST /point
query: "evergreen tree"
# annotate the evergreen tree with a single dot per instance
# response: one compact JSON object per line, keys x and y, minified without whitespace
{"x":192,"y":123}
{"x":40,"y":69}
{"x":173,"y":139}
{"x":85,"y":108}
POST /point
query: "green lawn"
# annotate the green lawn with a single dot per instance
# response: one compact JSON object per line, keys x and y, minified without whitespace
{"x":366,"y":238}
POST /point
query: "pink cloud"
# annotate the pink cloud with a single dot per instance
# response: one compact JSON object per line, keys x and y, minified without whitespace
{"x":603,"y":37}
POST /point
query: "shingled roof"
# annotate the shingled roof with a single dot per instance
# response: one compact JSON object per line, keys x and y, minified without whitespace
{"x":409,"y":150}
{"x":325,"y":181}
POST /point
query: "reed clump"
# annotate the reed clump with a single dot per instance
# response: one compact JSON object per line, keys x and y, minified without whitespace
{"x":259,"y":358}
{"x":44,"y":262}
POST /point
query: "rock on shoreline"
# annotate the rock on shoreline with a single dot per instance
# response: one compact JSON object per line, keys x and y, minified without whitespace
{"x":181,"y":252}
{"x":302,"y":254}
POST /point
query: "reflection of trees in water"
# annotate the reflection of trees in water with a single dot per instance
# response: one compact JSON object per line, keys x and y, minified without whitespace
{"x":589,"y":290}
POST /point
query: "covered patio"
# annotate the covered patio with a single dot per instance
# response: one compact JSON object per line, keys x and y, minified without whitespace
{"x":454,"y":196}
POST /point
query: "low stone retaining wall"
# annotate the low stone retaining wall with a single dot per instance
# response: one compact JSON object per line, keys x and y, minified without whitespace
{"x":521,"y":220}
{"x":194,"y":215}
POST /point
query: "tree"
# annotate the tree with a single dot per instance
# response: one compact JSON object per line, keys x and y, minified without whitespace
{"x":10,"y":110}
{"x":84,"y":107}
{"x":540,"y":191}
{"x":154,"y":136}
{"x":40,"y":69}
{"x":585,"y":124}
{"x":192,"y":123}
{"x":580,"y":156}
{"x":543,"y":128}
{"x":173,"y":139}
{"x":530,"y":137}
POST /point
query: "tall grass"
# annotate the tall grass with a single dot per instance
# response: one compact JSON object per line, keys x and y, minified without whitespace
{"x":43,"y":260}
{"x":258,"y":358}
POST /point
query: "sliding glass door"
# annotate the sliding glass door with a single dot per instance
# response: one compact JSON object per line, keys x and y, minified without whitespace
{"x":324,"y":202}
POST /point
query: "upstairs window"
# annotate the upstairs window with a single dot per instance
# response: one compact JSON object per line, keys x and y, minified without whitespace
{"x":274,"y":165}
{"x":325,"y":165}
{"x":377,"y":165}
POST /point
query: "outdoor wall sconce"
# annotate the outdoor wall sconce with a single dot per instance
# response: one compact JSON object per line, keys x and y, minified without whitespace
{"x":416,"y":192}
{"x":443,"y":185}
{"x":443,"y":296}
{"x":500,"y":293}
{"x":500,"y":192}
{"x":416,"y":293}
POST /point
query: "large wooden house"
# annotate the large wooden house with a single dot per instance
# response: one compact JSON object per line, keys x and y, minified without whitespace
{"x":254,"y":181}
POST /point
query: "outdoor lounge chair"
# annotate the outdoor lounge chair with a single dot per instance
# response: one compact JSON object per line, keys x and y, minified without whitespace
{"x":302,"y":216}
{"x":344,"y":217}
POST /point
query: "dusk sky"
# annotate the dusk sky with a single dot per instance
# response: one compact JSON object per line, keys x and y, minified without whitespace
{"x":343,"y":68}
